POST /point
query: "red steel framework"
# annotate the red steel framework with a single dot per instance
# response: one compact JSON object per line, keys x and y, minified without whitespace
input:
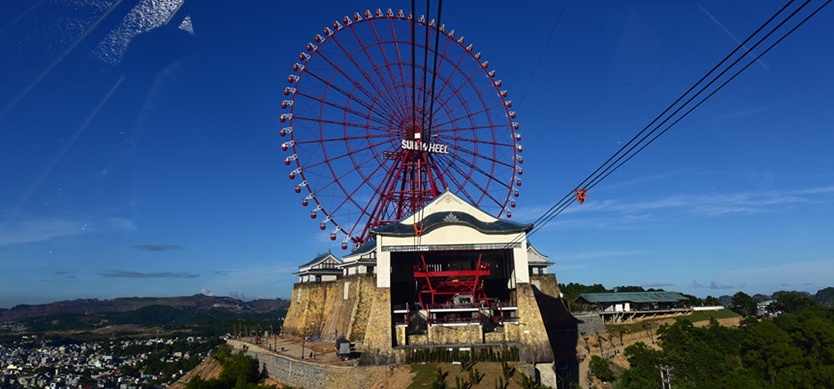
{"x":450,"y":282}
{"x":365,"y":145}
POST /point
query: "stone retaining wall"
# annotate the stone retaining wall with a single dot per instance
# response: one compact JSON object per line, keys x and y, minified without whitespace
{"x":590,"y":324}
{"x":306,"y":375}
{"x":332,"y":309}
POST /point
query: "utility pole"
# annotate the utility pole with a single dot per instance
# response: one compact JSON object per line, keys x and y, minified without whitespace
{"x":666,"y":376}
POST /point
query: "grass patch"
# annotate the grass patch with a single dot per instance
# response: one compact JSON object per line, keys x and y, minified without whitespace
{"x":705,"y":315}
{"x":631,"y":328}
{"x":424,"y":377}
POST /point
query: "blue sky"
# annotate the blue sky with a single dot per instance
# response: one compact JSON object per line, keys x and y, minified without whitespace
{"x":140,"y":154}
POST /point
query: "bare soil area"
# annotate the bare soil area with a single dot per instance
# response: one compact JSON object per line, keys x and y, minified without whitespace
{"x":209,"y":368}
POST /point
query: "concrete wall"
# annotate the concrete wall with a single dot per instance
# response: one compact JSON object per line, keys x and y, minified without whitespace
{"x":455,"y":334}
{"x":379,"y":333}
{"x":590,"y":324}
{"x":533,"y":336}
{"x":326,"y":309}
{"x":546,"y":283}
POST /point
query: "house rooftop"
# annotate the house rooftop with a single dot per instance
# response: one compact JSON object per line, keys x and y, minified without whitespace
{"x":634,"y":297}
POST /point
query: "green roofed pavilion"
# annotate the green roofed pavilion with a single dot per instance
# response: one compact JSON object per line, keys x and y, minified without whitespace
{"x":627,"y":306}
{"x":633,"y":297}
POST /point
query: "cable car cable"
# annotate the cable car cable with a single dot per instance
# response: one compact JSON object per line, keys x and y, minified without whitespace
{"x":607,"y":169}
{"x":563,"y":204}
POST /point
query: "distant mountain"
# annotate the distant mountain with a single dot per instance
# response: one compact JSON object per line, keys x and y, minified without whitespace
{"x":196,"y":303}
{"x":826,"y":297}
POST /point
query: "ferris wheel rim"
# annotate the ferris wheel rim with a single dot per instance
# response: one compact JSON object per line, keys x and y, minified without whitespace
{"x":377,"y":156}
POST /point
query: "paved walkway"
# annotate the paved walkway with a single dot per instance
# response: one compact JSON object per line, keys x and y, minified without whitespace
{"x":324,"y":353}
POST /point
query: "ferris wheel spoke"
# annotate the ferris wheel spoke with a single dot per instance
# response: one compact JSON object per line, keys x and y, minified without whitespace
{"x":404,"y":80}
{"x":470,"y":114}
{"x":343,"y":108}
{"x":329,"y":159}
{"x":378,"y":194}
{"x":403,"y":100}
{"x":483,"y":190}
{"x":456,"y":91}
{"x":484,"y":142}
{"x":350,"y":194}
{"x":347,"y":138}
{"x":379,"y":93}
{"x":345,"y":93}
{"x":346,"y":124}
{"x":465,"y":103}
{"x":423,"y":76}
{"x":450,"y":76}
{"x":488,"y":175}
{"x":381,"y":196}
{"x":460,"y":185}
{"x":476,"y":155}
{"x":347,"y":77}
{"x":389,"y":91}
{"x":435,"y":75}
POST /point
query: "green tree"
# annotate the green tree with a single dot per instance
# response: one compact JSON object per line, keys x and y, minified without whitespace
{"x":711,"y":301}
{"x":744,"y":304}
{"x":599,"y":367}
{"x":768,"y":350}
{"x":239,"y":372}
{"x":623,"y":289}
{"x":692,"y":301}
{"x":643,"y":373}
{"x":793,"y":301}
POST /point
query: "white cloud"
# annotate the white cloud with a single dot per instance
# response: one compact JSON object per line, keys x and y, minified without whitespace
{"x":253,"y":279}
{"x":41,"y":229}
{"x":597,"y":254}
{"x":38,"y":230}
{"x":656,"y":284}
{"x":598,"y":213}
{"x":186,"y":25}
{"x":144,"y":17}
{"x":718,"y":285}
{"x":813,"y":273}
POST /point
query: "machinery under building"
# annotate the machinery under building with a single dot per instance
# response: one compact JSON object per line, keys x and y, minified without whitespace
{"x":450,"y":275}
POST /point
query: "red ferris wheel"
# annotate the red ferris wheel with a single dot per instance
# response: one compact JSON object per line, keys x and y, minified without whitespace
{"x":382,"y":122}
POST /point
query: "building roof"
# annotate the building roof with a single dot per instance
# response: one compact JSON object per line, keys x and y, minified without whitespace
{"x":440,"y":219}
{"x":365,"y":247}
{"x":319,"y":258}
{"x":334,"y":272}
{"x":634,"y":297}
{"x":535,"y":258}
{"x":449,"y":209}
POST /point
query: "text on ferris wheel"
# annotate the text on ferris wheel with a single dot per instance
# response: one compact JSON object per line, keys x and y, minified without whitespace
{"x":427,"y":147}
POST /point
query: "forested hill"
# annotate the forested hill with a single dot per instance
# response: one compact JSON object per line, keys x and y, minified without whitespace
{"x":196,"y":303}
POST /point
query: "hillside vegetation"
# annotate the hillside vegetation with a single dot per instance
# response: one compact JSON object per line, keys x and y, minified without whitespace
{"x":793,"y":350}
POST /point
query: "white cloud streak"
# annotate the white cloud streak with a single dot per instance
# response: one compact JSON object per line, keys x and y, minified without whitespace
{"x":598,"y":214}
{"x":38,"y":230}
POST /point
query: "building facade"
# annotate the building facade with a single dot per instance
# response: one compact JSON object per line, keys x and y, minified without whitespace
{"x":450,"y":275}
